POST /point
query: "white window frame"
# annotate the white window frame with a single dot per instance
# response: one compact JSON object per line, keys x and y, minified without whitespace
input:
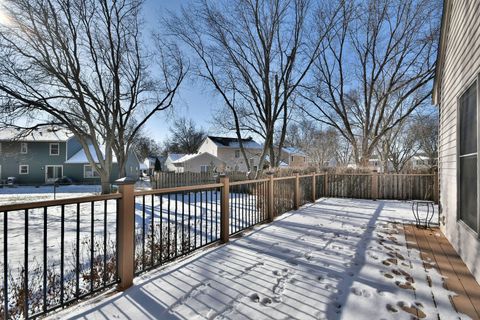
{"x":22,"y":150}
{"x":204,"y":168}
{"x":94,"y":175}
{"x":23,"y":166}
{"x":50,"y":149}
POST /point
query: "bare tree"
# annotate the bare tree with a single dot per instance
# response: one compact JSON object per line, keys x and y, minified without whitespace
{"x":254,"y":54}
{"x":82,"y":65}
{"x":145,"y":146}
{"x":320,"y":145}
{"x":398,"y":146}
{"x":425,"y":128}
{"x":185,"y":137}
{"x":374,"y":70}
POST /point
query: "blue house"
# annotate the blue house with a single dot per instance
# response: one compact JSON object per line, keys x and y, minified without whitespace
{"x":47,"y":154}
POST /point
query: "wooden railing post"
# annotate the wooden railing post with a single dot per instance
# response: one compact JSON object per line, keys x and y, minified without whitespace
{"x":224,"y":207}
{"x":296,"y":203}
{"x":270,"y":197}
{"x":325,"y":185}
{"x":314,"y":187}
{"x":374,"y":185}
{"x":436,"y":189}
{"x":126,"y":232}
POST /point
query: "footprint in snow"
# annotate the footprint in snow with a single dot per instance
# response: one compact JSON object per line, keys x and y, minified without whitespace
{"x":361,"y":292}
{"x":255,"y":297}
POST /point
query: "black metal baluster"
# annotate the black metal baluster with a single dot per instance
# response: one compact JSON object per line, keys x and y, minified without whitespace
{"x":153,"y":233}
{"x":161,"y":228}
{"x":77,"y":262}
{"x":211,"y":215}
{"x":189,"y":223}
{"x":92,"y":236}
{"x":216,"y":214}
{"x":201,"y":219}
{"x":183,"y":222}
{"x":195,"y":228}
{"x":206,"y":217}
{"x":45,"y":259}
{"x":117,"y":234}
{"x":176,"y":226}
{"x":143,"y":233}
{"x":5,"y":264}
{"x":168,"y":228}
{"x":104,"y":242}
{"x":25,"y":288}
{"x":62,"y":255}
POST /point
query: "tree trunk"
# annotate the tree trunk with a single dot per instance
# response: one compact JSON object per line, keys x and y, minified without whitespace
{"x":105,"y":182}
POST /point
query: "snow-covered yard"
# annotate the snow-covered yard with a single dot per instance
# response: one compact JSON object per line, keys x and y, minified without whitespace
{"x":328,"y":260}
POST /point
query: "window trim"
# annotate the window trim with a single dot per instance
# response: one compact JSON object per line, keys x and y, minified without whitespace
{"x":50,"y":149}
{"x":202,"y":166}
{"x":476,"y":81}
{"x":21,"y":148}
{"x":93,"y":171}
{"x":20,"y":169}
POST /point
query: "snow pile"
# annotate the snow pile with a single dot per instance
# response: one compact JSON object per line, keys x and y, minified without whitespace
{"x":336,"y":259}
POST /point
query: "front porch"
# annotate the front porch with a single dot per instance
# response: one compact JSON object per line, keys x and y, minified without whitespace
{"x":334,"y":259}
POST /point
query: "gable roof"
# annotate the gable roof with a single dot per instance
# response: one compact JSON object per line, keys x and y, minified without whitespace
{"x":229,"y":142}
{"x":175,"y":156}
{"x":292,"y":150}
{"x":45,"y":134}
{"x":191,"y":156}
{"x":81,"y":156}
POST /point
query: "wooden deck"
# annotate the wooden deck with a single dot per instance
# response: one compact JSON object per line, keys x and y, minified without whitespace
{"x":437,"y":252}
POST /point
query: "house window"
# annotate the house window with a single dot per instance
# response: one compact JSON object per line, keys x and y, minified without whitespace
{"x":292,"y":158}
{"x":90,"y":172}
{"x":467,"y":175}
{"x":24,"y":148}
{"x":23,"y":169}
{"x":54,"y":149}
{"x":203,"y":168}
{"x":237,"y":153}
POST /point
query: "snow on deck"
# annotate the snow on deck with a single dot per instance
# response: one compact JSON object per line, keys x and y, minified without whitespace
{"x":335,"y":259}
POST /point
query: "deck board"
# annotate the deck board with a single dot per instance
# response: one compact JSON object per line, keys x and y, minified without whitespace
{"x":435,"y":248}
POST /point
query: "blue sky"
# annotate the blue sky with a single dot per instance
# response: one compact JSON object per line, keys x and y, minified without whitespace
{"x":193,"y":101}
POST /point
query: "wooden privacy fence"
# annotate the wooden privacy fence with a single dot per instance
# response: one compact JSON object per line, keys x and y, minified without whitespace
{"x":181,"y":179}
{"x":119,"y":236}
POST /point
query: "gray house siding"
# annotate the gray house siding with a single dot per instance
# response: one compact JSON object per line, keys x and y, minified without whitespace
{"x":458,"y":68}
{"x":37,"y":157}
{"x":75,"y":172}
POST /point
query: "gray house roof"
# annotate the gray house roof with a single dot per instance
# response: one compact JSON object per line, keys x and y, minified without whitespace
{"x":228,"y":142}
{"x":81,"y":156}
{"x":50,"y":134}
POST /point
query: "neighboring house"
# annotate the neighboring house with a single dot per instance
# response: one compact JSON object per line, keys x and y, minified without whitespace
{"x":294,"y":158}
{"x":420,"y":162}
{"x":228,"y":150}
{"x":171,"y":158}
{"x":199,"y":162}
{"x":148,"y":165}
{"x":456,"y":91}
{"x":47,"y":154}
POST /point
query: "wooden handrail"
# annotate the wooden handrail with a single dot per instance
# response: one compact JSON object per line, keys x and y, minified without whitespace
{"x":58,"y":202}
{"x":237,"y":183}
{"x":178,"y":189}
